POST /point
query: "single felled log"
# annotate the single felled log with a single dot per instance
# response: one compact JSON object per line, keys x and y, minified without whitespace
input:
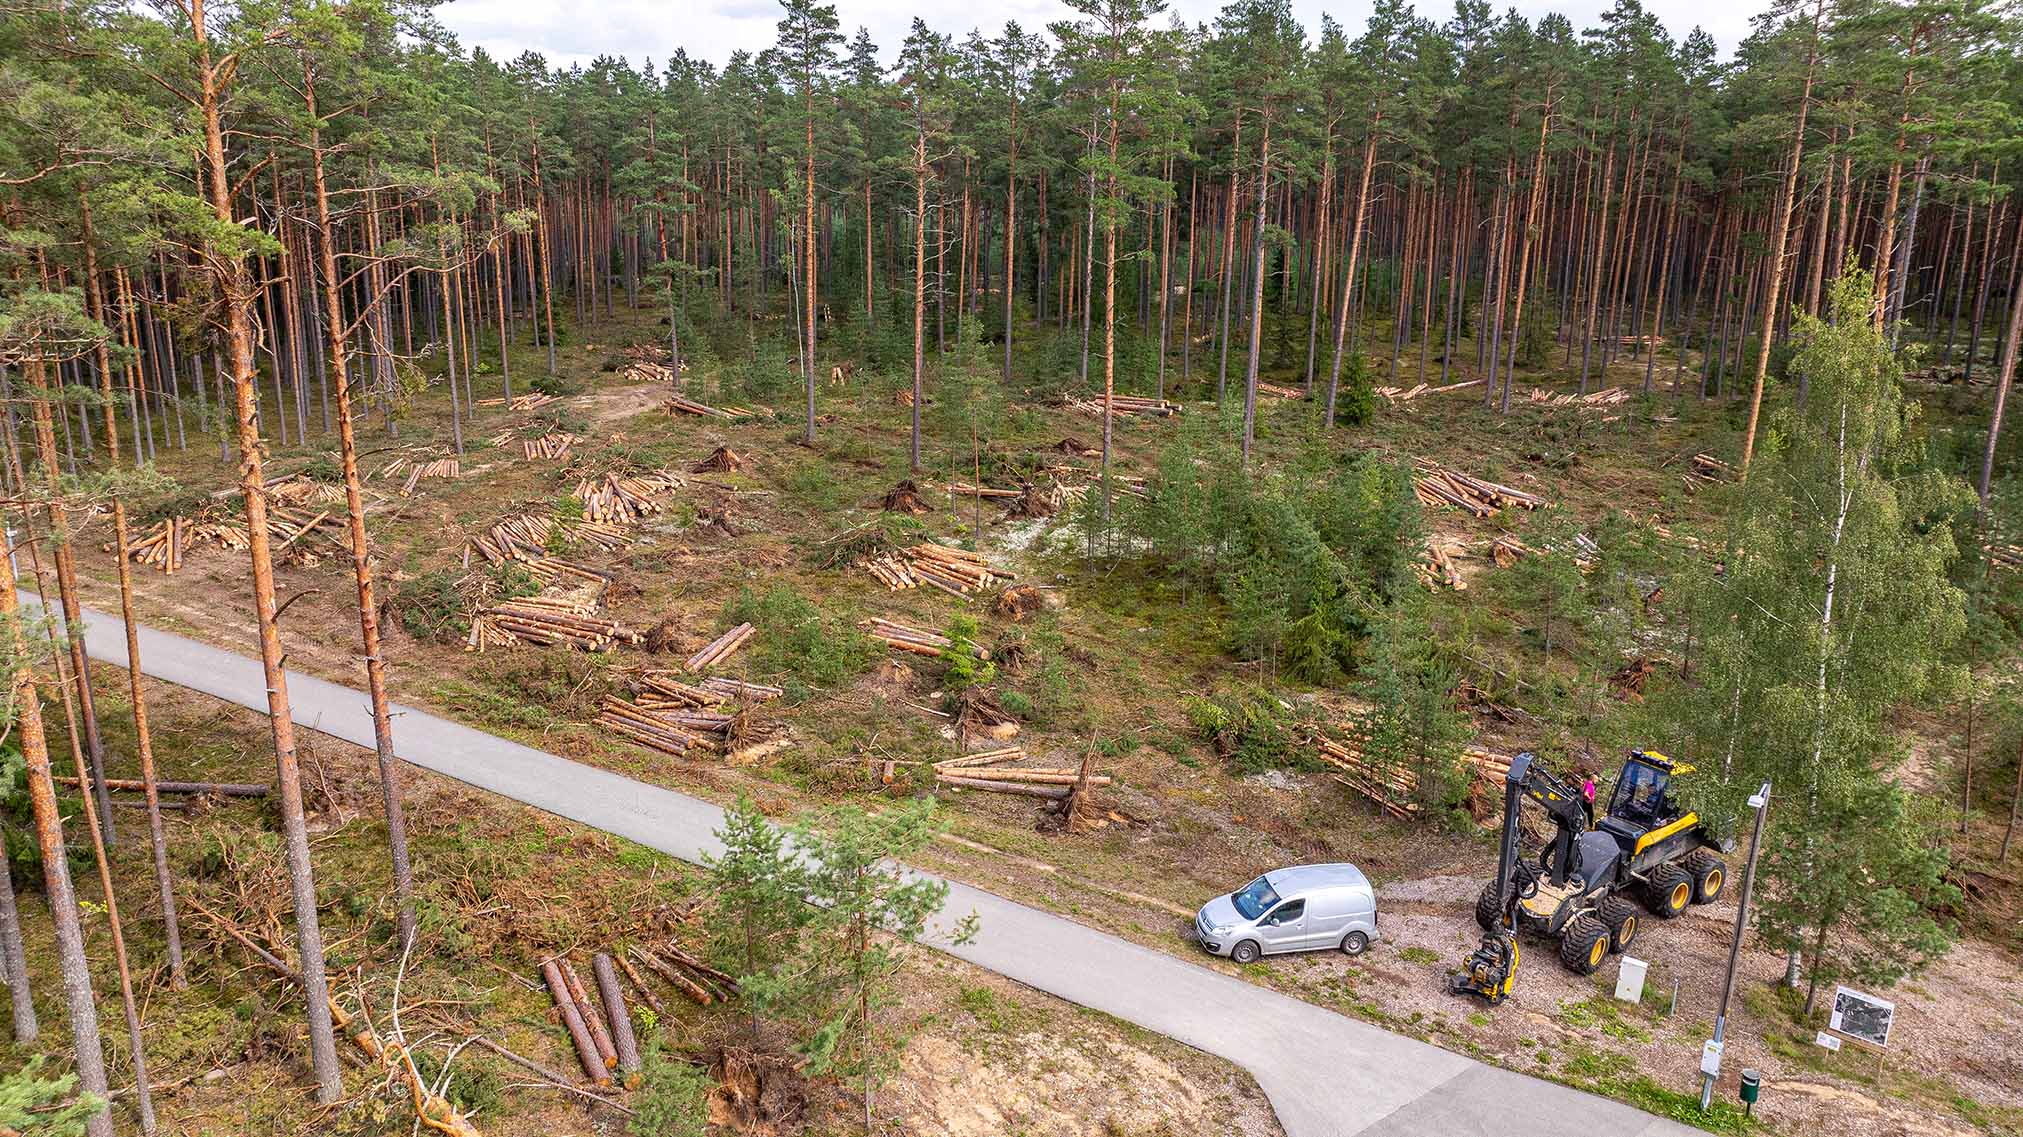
{"x":720,"y":648}
{"x":214,"y":789}
{"x":639,"y":984}
{"x":613,"y":999}
{"x":1054,"y":793}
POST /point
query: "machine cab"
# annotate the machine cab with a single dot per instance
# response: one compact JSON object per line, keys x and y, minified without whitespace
{"x":1643,"y":812}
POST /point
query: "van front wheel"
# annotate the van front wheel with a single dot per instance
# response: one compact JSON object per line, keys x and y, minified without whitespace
{"x":1355,"y":943}
{"x":1245,"y":952}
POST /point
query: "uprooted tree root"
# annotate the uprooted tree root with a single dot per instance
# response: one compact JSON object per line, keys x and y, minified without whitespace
{"x":756,"y":1093}
{"x":903,"y":498}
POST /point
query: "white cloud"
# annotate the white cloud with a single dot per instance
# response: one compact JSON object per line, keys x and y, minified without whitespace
{"x":712,"y":29}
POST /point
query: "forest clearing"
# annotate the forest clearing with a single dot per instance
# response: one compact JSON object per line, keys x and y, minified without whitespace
{"x":1100,"y":465}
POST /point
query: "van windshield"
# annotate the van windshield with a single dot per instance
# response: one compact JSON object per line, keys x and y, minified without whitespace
{"x":1256,"y":899}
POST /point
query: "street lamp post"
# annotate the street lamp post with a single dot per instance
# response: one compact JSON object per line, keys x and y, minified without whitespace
{"x":1710,"y":1062}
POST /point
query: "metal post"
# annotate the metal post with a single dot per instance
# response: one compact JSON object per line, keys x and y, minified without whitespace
{"x":1761,"y":803}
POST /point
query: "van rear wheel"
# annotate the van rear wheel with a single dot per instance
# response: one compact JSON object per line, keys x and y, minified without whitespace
{"x":1355,"y":943}
{"x":1245,"y":952}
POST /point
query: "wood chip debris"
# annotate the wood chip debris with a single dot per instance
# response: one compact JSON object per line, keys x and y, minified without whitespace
{"x":1436,"y":485}
{"x":954,"y":571}
{"x":1132,"y":405}
{"x":547,"y":621}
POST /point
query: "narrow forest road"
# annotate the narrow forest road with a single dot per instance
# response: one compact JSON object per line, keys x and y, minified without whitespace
{"x":1327,"y":1075}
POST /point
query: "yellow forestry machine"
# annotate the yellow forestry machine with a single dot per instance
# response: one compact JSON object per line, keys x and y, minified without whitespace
{"x":1645,"y":844}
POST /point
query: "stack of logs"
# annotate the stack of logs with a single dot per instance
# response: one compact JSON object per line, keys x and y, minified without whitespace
{"x":548,"y":621}
{"x":913,"y":640}
{"x":720,"y":648}
{"x":1396,"y":791}
{"x":986,"y":770}
{"x":1706,"y":471}
{"x":1436,"y":485}
{"x":166,"y":543}
{"x":440,"y":468}
{"x":602,"y":1034}
{"x":671,"y":715}
{"x":1605,"y":397}
{"x":526,"y":536}
{"x":527,"y":402}
{"x":966,"y":489}
{"x":954,"y":571}
{"x":626,"y":498}
{"x":680,"y":405}
{"x":1127,"y":405}
{"x":1281,"y":392}
{"x":722,"y":460}
{"x":289,"y":528}
{"x":552,"y":447}
{"x":1438,"y":568}
{"x":1406,"y":394}
{"x":649,"y":371}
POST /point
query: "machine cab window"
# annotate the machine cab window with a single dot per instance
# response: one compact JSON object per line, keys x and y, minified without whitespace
{"x":1641,"y":794}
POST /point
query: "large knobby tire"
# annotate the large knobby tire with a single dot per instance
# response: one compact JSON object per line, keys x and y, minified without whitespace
{"x":1488,"y":907}
{"x":1709,"y":875}
{"x":1670,"y":891}
{"x":1584,"y":945}
{"x":1245,"y":952}
{"x":1619,"y":916}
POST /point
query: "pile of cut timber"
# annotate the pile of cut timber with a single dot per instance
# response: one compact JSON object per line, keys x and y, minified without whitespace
{"x":440,"y":468}
{"x":556,"y":572}
{"x":526,"y":402}
{"x":657,"y":689}
{"x":1507,"y":550}
{"x":953,"y":571}
{"x":1406,"y":394}
{"x":1438,"y":568}
{"x":648,"y":371}
{"x":1706,"y":471}
{"x":684,"y":406}
{"x":986,"y":770}
{"x":696,"y":980}
{"x":288,"y":528}
{"x":625,"y":499}
{"x":553,"y":447}
{"x":294,"y":489}
{"x":525,"y":537}
{"x":1126,"y":405}
{"x":965,"y":489}
{"x":1605,"y":397}
{"x":547,"y":621}
{"x":722,"y":460}
{"x":1396,"y":791}
{"x":2007,"y":556}
{"x":1281,"y":392}
{"x":913,"y":639}
{"x":720,"y":648}
{"x":165,"y":544}
{"x":669,"y":714}
{"x":1436,"y":485}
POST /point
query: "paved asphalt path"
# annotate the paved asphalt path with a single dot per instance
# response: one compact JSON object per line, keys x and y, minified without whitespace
{"x":1327,"y":1075}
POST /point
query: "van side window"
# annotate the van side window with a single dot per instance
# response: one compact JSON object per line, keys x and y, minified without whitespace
{"x":1289,"y":912}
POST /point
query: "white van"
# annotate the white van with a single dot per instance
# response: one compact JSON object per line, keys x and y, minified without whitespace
{"x":1302,"y":908}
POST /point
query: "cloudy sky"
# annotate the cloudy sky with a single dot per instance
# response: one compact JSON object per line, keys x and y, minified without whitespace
{"x":574,"y":32}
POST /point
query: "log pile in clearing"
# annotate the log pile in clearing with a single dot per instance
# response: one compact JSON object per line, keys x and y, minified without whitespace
{"x":696,"y":980}
{"x":913,"y":640}
{"x":166,"y":544}
{"x":626,"y":498}
{"x":966,"y":489}
{"x":416,"y":471}
{"x":527,"y":402}
{"x":953,"y":571}
{"x":1126,"y":405}
{"x":552,"y":447}
{"x":1438,"y":568}
{"x":290,"y":529}
{"x":2006,"y":556}
{"x":720,"y":648}
{"x":1706,"y":471}
{"x":1406,"y":394}
{"x":1605,"y":397}
{"x":988,"y":770}
{"x":1507,"y":550}
{"x":526,"y":537}
{"x":669,"y":714}
{"x":547,"y":621}
{"x":1281,"y":392}
{"x":722,"y":460}
{"x":1436,"y":485}
{"x":1396,"y":791}
{"x":680,"y":405}
{"x":649,"y":371}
